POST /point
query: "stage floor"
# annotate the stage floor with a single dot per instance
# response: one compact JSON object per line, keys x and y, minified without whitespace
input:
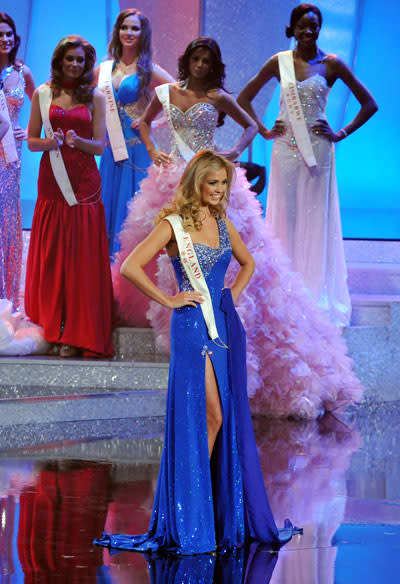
{"x":338,"y":478}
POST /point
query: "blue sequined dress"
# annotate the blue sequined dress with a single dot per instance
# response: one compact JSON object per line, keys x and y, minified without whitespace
{"x":200,"y":507}
{"x":10,"y":206}
{"x":120,"y":180}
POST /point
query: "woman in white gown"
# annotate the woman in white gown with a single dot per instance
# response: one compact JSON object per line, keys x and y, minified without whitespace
{"x":296,"y":360}
{"x":302,"y":206}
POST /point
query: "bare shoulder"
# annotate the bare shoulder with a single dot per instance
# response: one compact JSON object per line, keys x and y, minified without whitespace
{"x":219,"y":96}
{"x":26,"y":70}
{"x":333,"y":63}
{"x":233,"y":232}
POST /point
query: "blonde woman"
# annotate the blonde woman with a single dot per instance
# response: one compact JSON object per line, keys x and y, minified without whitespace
{"x":210,"y":492}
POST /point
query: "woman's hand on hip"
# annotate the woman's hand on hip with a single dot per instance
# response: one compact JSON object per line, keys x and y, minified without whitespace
{"x":186,"y":298}
{"x":322,"y":128}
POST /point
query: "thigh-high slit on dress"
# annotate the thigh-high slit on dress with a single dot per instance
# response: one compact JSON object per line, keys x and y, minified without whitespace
{"x":199,"y":506}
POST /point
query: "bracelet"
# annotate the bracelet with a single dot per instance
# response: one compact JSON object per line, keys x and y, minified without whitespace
{"x":343,"y":132}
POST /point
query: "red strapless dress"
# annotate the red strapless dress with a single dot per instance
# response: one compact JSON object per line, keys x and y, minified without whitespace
{"x":68,"y":281}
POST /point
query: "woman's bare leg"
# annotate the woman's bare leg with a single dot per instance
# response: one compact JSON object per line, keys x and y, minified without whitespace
{"x":214,"y":412}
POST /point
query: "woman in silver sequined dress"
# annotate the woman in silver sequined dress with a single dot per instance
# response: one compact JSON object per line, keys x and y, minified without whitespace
{"x":303,"y":206}
{"x":296,"y":359}
{"x":17,"y":80}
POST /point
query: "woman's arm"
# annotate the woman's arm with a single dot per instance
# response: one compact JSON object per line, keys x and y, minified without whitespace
{"x":337,"y":69}
{"x":152,"y":110}
{"x":29,"y":82}
{"x":160,"y":76}
{"x":96,"y":144}
{"x":132,"y":269}
{"x":4,"y":125}
{"x":245,"y":259}
{"x":268,"y":71}
{"x":35,"y":142}
{"x":225,"y":103}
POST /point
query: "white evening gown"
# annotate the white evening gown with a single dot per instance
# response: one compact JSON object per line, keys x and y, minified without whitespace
{"x":303,"y":206}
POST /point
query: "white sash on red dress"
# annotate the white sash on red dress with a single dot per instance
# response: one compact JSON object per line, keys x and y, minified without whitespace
{"x":8,"y":140}
{"x":113,"y":122}
{"x":296,"y":116}
{"x":56,"y":159}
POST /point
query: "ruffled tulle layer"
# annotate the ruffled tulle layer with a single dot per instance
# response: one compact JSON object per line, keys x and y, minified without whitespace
{"x":19,"y":336}
{"x":296,"y":359}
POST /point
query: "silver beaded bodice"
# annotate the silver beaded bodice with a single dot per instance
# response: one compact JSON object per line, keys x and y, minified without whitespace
{"x":15,"y":99}
{"x":196,"y":126}
{"x":313,"y":93}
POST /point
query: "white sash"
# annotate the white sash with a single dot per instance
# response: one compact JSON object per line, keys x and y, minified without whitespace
{"x":56,"y":159}
{"x":162,"y":92}
{"x":113,"y":122}
{"x":8,"y":140}
{"x":193,"y":271}
{"x":296,"y":116}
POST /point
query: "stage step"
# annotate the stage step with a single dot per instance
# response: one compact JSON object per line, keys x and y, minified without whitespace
{"x":372,"y":251}
{"x":370,"y":278}
{"x":372,"y":309}
{"x":53,"y":377}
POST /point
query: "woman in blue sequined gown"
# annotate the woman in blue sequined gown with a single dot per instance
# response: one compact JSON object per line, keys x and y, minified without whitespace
{"x":16,"y":80}
{"x":203,"y":500}
{"x":303,"y":205}
{"x":134,"y":77}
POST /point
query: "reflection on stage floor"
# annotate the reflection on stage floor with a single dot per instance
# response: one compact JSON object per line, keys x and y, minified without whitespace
{"x":338,"y":478}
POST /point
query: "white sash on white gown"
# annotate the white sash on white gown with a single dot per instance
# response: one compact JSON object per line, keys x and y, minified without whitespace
{"x":295,"y":111}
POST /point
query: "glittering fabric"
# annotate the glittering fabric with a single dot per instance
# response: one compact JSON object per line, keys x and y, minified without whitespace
{"x":296,"y":359}
{"x":121,"y":180}
{"x":10,"y":207}
{"x":303,"y":206}
{"x":196,"y":126}
{"x":198,"y":506}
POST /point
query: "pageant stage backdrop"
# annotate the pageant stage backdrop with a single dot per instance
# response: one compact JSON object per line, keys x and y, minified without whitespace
{"x":362,"y":32}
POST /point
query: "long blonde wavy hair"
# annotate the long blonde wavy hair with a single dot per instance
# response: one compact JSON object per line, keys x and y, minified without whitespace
{"x":188,"y":200}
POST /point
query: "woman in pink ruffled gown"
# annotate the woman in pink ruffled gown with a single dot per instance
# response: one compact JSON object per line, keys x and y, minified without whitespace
{"x":297,"y":363}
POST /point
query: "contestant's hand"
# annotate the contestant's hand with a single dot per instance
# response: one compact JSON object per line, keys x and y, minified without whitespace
{"x":160,"y":158}
{"x":19,"y":133}
{"x":229,"y":154}
{"x":59,"y":138}
{"x":322,"y":128}
{"x":135,"y":124}
{"x":278,"y":129}
{"x":70,"y":138}
{"x":186,"y":298}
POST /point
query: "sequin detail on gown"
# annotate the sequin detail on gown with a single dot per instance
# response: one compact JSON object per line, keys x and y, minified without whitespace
{"x":10,"y":205}
{"x":303,"y":206}
{"x":297,"y":362}
{"x":201,"y":506}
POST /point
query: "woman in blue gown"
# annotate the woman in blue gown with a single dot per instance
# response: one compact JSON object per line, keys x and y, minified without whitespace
{"x":210,"y":493}
{"x":134,"y":77}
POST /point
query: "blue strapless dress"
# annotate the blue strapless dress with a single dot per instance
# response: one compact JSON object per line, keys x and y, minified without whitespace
{"x":120,"y":180}
{"x":200,"y":507}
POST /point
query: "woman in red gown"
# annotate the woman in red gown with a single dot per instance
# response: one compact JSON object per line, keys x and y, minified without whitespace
{"x":68,"y":283}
